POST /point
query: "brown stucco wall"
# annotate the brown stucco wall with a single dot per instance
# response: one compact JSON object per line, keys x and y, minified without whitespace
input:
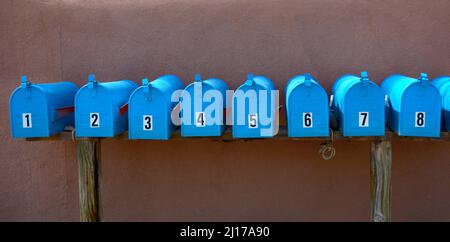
{"x":190,"y":180}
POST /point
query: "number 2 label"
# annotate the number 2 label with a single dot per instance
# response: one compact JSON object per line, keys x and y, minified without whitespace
{"x":26,"y":120}
{"x":363,"y":119}
{"x":94,"y":120}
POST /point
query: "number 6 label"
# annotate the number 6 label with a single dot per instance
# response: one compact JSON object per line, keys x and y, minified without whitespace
{"x":363,"y":119}
{"x":307,"y":120}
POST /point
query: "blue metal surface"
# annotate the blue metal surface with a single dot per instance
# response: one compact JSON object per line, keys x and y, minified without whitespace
{"x":443,"y":85}
{"x":203,"y":105}
{"x":41,"y":110}
{"x":101,"y":108}
{"x":150,"y":108}
{"x":254,"y":108}
{"x":358,"y":104}
{"x":413,"y":106}
{"x":306,"y":108}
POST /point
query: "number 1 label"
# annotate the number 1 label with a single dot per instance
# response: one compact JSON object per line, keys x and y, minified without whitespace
{"x":363,"y":119}
{"x":26,"y":120}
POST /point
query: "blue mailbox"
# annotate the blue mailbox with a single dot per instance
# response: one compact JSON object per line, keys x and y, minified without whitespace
{"x":443,"y":84}
{"x":41,"y":110}
{"x":306,"y":108}
{"x":254,"y":107}
{"x":101,"y":109}
{"x":203,"y":105}
{"x":150,"y":108}
{"x":358,"y":104}
{"x":413,"y":106}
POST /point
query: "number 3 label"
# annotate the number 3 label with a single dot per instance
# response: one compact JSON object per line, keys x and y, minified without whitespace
{"x":26,"y":120}
{"x":363,"y":119}
{"x":94,"y":120}
{"x":307,"y":120}
{"x":420,"y":120}
{"x":147,"y":122}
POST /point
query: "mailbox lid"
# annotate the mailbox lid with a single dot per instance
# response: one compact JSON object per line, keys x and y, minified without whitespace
{"x":443,"y":84}
{"x":310,"y":99}
{"x":150,"y":107}
{"x":196,"y":92}
{"x":256,"y":84}
{"x":358,"y":104}
{"x":410,"y":97}
{"x":41,"y":110}
{"x":108,"y":100}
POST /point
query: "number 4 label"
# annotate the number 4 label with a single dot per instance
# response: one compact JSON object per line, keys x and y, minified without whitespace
{"x":363,"y":119}
{"x":200,"y":119}
{"x":26,"y":120}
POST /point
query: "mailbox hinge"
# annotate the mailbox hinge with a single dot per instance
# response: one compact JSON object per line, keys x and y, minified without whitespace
{"x":26,"y":84}
{"x":92,"y":83}
{"x":147,"y":89}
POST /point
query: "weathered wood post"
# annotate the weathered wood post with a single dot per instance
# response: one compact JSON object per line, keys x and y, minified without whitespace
{"x":88,"y":155}
{"x":380,"y":180}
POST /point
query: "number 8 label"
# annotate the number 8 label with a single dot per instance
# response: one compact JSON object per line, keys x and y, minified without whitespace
{"x":420,"y":120}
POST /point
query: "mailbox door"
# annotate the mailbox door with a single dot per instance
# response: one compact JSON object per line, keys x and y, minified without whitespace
{"x":94,"y":113}
{"x":149,"y":117}
{"x":206,"y":115}
{"x":363,"y":113}
{"x":252,"y":119}
{"x":420,"y":113}
{"x":29,"y":113}
{"x":308,"y":112}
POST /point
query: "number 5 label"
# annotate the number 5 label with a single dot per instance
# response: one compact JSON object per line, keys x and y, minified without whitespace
{"x":363,"y":119}
{"x":253,"y":121}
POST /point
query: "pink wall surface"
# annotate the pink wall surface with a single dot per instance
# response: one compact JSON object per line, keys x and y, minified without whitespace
{"x":202,"y":180}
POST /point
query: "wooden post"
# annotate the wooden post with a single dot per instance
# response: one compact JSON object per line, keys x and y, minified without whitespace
{"x":88,"y":155}
{"x":380,"y":180}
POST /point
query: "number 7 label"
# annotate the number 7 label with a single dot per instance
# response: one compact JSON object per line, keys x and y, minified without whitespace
{"x":363,"y":120}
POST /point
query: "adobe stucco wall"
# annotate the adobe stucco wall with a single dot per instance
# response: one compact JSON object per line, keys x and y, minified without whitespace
{"x":214,"y":181}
